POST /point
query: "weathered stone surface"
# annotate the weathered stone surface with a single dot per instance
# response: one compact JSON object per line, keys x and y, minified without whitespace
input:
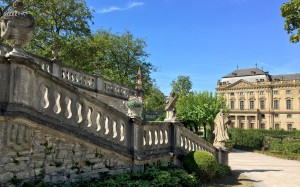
{"x":5,"y":177}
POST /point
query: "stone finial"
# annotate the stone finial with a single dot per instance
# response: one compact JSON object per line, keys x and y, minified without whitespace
{"x":139,"y":80}
{"x":17,"y":28}
{"x":54,"y":50}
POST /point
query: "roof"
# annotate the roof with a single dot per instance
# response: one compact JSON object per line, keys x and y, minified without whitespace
{"x":286,"y":77}
{"x":245,"y":72}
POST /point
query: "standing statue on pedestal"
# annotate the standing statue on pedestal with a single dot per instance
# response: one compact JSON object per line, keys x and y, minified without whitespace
{"x":17,"y":28}
{"x":171,"y":108}
{"x":220,"y":131}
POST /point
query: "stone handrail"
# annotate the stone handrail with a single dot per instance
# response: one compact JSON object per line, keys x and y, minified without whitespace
{"x":84,"y":80}
{"x":29,"y":91}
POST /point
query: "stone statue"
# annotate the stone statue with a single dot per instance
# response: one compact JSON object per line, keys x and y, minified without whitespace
{"x":170,"y":108}
{"x":220,"y":131}
{"x":17,"y":27}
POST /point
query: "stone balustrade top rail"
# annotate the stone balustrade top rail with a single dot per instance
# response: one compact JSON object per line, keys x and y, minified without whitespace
{"x":84,"y":80}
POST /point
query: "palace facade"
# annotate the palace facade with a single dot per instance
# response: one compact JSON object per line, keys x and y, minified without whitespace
{"x":258,"y":100}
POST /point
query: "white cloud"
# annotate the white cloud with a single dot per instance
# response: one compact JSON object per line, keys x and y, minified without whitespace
{"x":130,"y":5}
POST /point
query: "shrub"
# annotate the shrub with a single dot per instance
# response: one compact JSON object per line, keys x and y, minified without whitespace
{"x":223,"y":171}
{"x":202,"y":163}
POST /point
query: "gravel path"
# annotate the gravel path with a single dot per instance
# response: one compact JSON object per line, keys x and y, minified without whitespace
{"x":266,"y":171}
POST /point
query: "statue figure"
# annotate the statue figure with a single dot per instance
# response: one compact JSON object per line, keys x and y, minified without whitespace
{"x":170,"y":108}
{"x":17,"y":27}
{"x":220,"y":131}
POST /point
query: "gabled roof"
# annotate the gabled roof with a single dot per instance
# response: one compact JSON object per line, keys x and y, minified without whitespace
{"x":286,"y":77}
{"x":245,"y":72}
{"x":240,"y":84}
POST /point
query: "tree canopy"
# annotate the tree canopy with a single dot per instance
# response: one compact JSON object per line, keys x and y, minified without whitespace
{"x":199,"y":108}
{"x":182,"y":85}
{"x":291,"y":12}
{"x":66,"y":24}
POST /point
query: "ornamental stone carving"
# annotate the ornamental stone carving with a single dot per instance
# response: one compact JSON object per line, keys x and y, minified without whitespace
{"x":171,"y":108}
{"x":17,"y":28}
{"x":220,"y":131}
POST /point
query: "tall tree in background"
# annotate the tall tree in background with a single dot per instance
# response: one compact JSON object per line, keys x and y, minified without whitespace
{"x":116,"y":57}
{"x":65,"y":23}
{"x":291,"y":12}
{"x":200,"y":108}
{"x":154,"y":101}
{"x":182,"y":85}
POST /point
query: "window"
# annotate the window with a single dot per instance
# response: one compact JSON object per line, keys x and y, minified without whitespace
{"x":251,"y":125}
{"x":276,"y":104}
{"x":232,"y":93}
{"x":242,"y":125}
{"x":251,"y":104}
{"x":289,"y":115}
{"x":251,"y":93}
{"x":277,"y":126}
{"x":275,"y":92}
{"x":288,"y":91}
{"x":262,"y":93}
{"x":242,"y":105}
{"x":262,"y":104}
{"x":288,"y":104}
{"x":263,"y":116}
{"x":262,"y":126}
{"x":231,"y":104}
{"x":241,"y":93}
{"x":289,"y":127}
{"x":276,"y":115}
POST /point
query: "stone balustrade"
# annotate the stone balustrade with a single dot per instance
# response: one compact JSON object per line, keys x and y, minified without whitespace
{"x":84,"y":80}
{"x":69,"y":109}
{"x":30,"y":91}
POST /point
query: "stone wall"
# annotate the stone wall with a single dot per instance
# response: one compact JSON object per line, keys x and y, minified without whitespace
{"x":29,"y":150}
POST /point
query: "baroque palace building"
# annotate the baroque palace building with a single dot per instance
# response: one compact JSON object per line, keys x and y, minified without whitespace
{"x":258,"y":100}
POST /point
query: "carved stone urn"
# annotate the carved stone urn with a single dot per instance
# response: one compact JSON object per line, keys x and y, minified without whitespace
{"x":17,"y":28}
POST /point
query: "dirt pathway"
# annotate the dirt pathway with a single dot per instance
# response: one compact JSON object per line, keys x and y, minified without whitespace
{"x":265,"y":171}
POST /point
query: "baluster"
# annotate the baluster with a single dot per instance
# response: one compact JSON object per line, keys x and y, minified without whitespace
{"x":98,"y":121}
{"x":161,"y":138}
{"x":106,"y":125}
{"x":115,"y":129}
{"x":150,"y":137}
{"x":45,"y":100}
{"x":57,"y":107}
{"x":166,"y":137}
{"x":122,"y":132}
{"x":68,"y":102}
{"x":156,"y":138}
{"x":89,"y":117}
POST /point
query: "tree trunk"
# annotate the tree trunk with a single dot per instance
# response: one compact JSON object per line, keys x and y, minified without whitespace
{"x":204,"y":127}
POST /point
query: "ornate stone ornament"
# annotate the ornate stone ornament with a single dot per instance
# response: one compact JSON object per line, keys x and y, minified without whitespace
{"x":170,"y":108}
{"x":17,"y":28}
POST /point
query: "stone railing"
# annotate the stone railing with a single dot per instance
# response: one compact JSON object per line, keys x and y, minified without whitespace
{"x":30,"y":92}
{"x":83,"y":80}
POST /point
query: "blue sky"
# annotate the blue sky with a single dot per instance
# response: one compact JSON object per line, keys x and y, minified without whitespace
{"x":203,"y":39}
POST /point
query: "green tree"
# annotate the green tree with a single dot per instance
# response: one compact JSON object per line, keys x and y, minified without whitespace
{"x":116,"y":56}
{"x":182,"y":85}
{"x":291,"y":12}
{"x":199,"y":108}
{"x":154,"y":101}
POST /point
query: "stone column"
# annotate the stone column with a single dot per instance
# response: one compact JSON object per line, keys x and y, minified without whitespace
{"x":236,"y":121}
{"x":246,"y":123}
